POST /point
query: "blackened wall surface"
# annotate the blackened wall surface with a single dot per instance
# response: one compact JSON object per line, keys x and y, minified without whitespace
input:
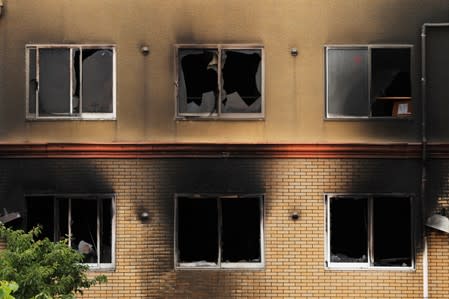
{"x":294,"y":250}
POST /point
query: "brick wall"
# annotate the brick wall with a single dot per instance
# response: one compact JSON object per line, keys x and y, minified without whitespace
{"x":294,"y":250}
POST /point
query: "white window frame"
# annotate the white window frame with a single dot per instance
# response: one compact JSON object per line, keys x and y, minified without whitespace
{"x":73,"y":116}
{"x":219,"y":114}
{"x":98,"y":198}
{"x":220,"y":265}
{"x":369,"y":265}
{"x":369,"y":48}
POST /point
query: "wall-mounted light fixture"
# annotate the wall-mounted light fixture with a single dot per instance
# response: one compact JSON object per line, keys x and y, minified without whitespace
{"x":294,"y":52}
{"x":144,"y":216}
{"x":144,"y":49}
{"x":439,"y":221}
{"x":295,"y":216}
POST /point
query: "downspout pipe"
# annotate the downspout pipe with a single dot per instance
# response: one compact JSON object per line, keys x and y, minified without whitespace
{"x":424,"y":150}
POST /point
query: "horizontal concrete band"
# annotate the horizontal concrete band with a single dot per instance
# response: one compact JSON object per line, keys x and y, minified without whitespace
{"x":205,"y":150}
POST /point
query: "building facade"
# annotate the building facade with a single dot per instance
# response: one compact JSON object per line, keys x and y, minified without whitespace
{"x":228,"y":149}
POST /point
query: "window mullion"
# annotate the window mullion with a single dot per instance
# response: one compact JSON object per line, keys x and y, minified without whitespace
{"x":69,"y":220}
{"x":370,"y":233}
{"x":219,"y":227}
{"x":37,"y":81}
{"x":71,"y":80}
{"x":55,"y":220}
{"x":219,"y":76}
{"x":80,"y":96}
{"x":99,"y":212}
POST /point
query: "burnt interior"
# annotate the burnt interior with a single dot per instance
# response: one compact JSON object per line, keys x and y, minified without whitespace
{"x":200,"y":74}
{"x":390,"y":78}
{"x":349,"y":230}
{"x":392,"y":232}
{"x":53,"y":213}
{"x":197,"y":230}
{"x":240,"y":75}
{"x":241,"y":230}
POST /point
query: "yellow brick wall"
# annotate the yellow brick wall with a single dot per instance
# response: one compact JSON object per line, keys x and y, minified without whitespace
{"x":294,"y":250}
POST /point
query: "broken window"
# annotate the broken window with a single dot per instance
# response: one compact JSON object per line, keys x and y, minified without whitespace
{"x":368,"y":81}
{"x":88,"y":222}
{"x":70,"y":81}
{"x":219,"y":81}
{"x":369,"y":231}
{"x":219,"y":232}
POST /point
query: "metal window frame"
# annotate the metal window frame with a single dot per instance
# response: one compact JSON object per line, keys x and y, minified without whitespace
{"x":98,"y":198}
{"x":219,"y":265}
{"x":71,"y":116}
{"x":369,"y":265}
{"x":219,"y":115}
{"x":369,"y":48}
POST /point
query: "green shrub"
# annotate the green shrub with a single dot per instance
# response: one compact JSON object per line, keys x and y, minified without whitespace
{"x":42,"y":268}
{"x":6,"y":288}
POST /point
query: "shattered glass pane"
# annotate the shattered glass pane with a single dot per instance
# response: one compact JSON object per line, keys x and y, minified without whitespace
{"x":198,"y":81}
{"x":390,"y":77}
{"x":197,"y":230}
{"x":241,"y":230}
{"x":32,"y":82}
{"x":349,"y":230}
{"x":242,"y":79}
{"x":97,"y":78}
{"x":54,"y":81}
{"x":347,"y":82}
{"x":84,"y":228}
{"x":106,"y":231}
{"x":392,"y":232}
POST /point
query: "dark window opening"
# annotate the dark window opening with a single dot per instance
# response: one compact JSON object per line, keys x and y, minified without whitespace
{"x":197,"y":230}
{"x":371,"y":231}
{"x":241,"y":81}
{"x":392,"y":232}
{"x":367,"y":81}
{"x":199,"y":89}
{"x":212,"y":227}
{"x":219,"y":82}
{"x":349,"y":230}
{"x":391,"y":80}
{"x":87,"y":222}
{"x":241,"y":230}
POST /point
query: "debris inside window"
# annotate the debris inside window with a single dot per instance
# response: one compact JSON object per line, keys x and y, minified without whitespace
{"x":198,"y":83}
{"x":87,"y":222}
{"x":219,"y":82}
{"x":390,"y":79}
{"x":218,"y":232}
{"x":392,"y":232}
{"x":368,"y":81}
{"x":370,"y":231}
{"x":349,"y":230}
{"x":241,"y":81}
{"x":32,"y":81}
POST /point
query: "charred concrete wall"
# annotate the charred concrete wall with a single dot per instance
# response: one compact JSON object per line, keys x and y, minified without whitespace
{"x":294,"y":250}
{"x":294,"y":86}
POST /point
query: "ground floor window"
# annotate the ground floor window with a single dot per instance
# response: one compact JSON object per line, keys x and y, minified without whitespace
{"x":218,"y":231}
{"x":88,"y":221}
{"x":369,"y":231}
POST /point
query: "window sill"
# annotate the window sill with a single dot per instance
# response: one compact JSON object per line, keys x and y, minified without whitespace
{"x":69,"y":118}
{"x":220,"y":118}
{"x":371,"y":118}
{"x":369,"y":268}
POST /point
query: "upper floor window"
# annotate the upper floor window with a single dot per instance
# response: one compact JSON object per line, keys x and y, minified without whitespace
{"x":368,"y":81}
{"x":87,"y":220}
{"x":218,"y":231}
{"x":219,"y":81}
{"x":369,"y":230}
{"x":70,"y":81}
